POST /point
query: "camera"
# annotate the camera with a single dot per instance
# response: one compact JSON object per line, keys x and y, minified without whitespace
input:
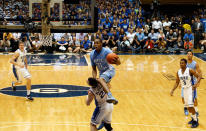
{"x":160,"y":39}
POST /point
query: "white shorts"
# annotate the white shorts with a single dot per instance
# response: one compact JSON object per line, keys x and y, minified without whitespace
{"x":21,"y":72}
{"x":188,"y":97}
{"x":102,"y":114}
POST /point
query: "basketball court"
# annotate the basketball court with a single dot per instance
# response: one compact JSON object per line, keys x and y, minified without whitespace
{"x":142,"y":85}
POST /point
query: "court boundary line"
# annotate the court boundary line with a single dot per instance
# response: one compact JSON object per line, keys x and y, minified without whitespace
{"x":200,"y":59}
{"x":115,"y":90}
{"x":155,"y":90}
{"x":80,"y":124}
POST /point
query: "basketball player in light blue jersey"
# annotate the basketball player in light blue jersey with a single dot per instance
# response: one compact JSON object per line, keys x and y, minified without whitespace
{"x":195,"y":66}
{"x":103,"y":110}
{"x":19,"y":62}
{"x":106,"y":71}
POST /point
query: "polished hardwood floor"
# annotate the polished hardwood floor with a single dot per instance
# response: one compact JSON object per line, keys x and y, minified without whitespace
{"x":142,"y":85}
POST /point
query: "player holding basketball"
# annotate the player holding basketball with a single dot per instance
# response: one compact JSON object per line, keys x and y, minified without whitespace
{"x":106,"y":71}
{"x":19,"y":62}
{"x":103,"y":110}
{"x":195,"y":66}
{"x":184,"y":76}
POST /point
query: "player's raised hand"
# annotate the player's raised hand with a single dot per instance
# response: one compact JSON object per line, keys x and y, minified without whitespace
{"x":89,"y":92}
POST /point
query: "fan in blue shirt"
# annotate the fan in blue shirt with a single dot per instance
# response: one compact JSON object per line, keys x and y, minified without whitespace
{"x":85,"y":45}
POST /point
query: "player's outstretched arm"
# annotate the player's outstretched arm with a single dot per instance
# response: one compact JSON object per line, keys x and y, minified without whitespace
{"x":25,"y":61}
{"x":176,"y":85}
{"x":199,"y":71}
{"x":94,"y":71}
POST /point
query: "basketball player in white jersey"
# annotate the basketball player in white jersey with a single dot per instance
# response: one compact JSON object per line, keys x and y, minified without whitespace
{"x":184,"y":77}
{"x":103,"y":110}
{"x":195,"y":66}
{"x":19,"y":62}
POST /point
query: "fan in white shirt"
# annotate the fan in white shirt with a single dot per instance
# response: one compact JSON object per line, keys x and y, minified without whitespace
{"x":36,"y":44}
{"x":130,"y":35}
{"x":157,"y":24}
{"x":167,"y":23}
{"x":16,"y":36}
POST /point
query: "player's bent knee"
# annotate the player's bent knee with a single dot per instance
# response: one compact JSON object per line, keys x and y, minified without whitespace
{"x":28,"y":79}
{"x":102,"y":79}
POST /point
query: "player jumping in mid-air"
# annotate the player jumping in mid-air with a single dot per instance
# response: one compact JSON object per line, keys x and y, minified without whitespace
{"x":103,"y":110}
{"x":106,"y":71}
{"x":184,"y":76}
{"x":19,"y":62}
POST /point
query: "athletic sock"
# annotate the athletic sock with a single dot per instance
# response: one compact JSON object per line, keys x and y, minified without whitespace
{"x":196,"y":109}
{"x":194,"y":117}
{"x":28,"y":92}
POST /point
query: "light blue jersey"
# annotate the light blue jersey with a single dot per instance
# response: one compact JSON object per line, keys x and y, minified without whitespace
{"x":192,"y":65}
{"x":106,"y":70}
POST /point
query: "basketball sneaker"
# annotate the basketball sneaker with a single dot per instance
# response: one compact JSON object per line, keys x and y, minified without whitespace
{"x":186,"y":111}
{"x":12,"y":86}
{"x":111,"y":99}
{"x":195,"y":124}
{"x":100,"y":126}
{"x":29,"y":97}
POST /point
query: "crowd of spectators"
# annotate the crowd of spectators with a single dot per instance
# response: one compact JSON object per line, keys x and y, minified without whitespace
{"x":123,"y":26}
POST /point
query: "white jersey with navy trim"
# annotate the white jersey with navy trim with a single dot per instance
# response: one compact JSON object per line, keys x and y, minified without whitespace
{"x":100,"y":95}
{"x":185,"y":78}
{"x":103,"y":110}
{"x":20,"y":60}
{"x":18,"y":71}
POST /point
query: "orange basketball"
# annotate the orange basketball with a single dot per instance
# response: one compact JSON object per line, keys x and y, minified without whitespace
{"x":111,"y":57}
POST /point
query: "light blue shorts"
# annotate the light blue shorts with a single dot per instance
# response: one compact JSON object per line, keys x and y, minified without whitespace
{"x":107,"y":75}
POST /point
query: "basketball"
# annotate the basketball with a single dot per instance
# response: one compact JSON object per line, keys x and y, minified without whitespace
{"x":111,"y":57}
